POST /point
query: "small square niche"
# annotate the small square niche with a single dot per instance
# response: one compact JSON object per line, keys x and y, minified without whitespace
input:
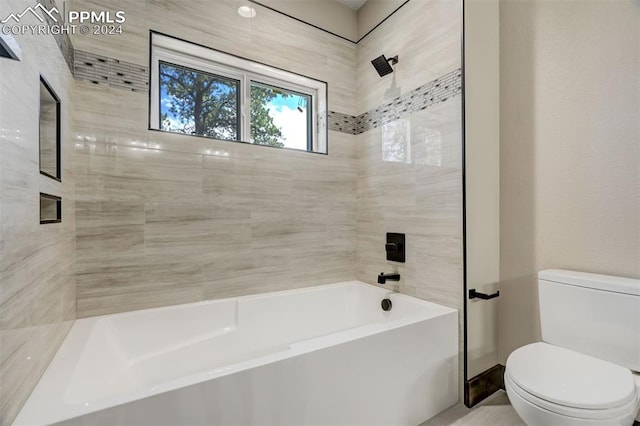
{"x":50,"y":209}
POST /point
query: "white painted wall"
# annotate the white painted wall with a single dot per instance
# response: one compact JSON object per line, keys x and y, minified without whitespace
{"x":570,"y":148}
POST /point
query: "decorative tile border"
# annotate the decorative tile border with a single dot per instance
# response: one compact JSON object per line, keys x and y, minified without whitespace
{"x":111,"y":72}
{"x":105,"y":71}
{"x":432,"y":93}
{"x":341,"y":122}
{"x":63,"y":40}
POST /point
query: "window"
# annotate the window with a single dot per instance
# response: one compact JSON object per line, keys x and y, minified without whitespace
{"x":197,"y":102}
{"x":280,"y":117}
{"x":200,"y":91}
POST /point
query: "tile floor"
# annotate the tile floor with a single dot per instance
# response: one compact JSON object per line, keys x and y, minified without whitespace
{"x":494,"y":411}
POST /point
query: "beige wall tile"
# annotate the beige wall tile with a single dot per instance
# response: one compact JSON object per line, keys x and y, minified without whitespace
{"x":165,"y":218}
{"x":269,"y":38}
{"x":234,"y":218}
{"x":426,"y":36}
{"x":130,"y":282}
{"x":37,"y":262}
{"x":422,"y":199}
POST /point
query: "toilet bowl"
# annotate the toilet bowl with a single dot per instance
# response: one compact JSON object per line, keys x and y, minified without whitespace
{"x":582,"y":373}
{"x":548,"y":385}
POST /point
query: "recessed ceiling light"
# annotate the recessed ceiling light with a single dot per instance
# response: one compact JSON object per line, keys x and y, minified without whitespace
{"x":246,"y":12}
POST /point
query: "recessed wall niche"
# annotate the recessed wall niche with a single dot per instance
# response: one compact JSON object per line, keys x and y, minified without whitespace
{"x":50,"y":208}
{"x":49,"y":131}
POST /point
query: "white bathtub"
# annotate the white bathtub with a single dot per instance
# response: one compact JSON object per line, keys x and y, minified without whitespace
{"x":326,"y":355}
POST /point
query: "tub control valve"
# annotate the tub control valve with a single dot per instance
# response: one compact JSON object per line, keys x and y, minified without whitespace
{"x":395,"y":247}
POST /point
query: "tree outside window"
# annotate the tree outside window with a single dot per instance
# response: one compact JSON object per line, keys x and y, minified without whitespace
{"x":201,"y":103}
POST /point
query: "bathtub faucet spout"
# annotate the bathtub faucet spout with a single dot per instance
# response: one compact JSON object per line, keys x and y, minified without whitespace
{"x":383,"y":278}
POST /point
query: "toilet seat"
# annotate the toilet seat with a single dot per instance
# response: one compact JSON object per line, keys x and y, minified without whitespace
{"x":569,"y":383}
{"x":577,"y":413}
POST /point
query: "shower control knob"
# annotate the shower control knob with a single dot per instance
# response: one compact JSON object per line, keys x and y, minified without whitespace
{"x":386,"y":304}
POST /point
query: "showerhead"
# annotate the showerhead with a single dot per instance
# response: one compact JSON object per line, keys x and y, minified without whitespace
{"x":381,"y":64}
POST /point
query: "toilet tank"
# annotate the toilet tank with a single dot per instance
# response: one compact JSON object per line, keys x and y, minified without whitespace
{"x":598,"y":315}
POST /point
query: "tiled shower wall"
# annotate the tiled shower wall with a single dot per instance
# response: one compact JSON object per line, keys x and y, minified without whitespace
{"x":164,"y":218}
{"x":167,"y":218}
{"x":37,"y":282}
{"x":410,"y":165}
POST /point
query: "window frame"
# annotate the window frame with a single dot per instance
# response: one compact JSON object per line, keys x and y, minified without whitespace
{"x":181,"y":53}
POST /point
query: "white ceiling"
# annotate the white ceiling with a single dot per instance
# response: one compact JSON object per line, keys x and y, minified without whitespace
{"x":353,"y":4}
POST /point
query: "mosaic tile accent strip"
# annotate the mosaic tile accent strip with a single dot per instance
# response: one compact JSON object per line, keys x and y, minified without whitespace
{"x":341,"y":122}
{"x":63,"y":40}
{"x":105,"y":71}
{"x":110,"y":72}
{"x":432,"y":93}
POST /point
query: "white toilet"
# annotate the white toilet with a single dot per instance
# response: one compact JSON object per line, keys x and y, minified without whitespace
{"x":585,"y":371}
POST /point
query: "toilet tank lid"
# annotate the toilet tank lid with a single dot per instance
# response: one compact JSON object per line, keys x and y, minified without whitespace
{"x":595,"y":281}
